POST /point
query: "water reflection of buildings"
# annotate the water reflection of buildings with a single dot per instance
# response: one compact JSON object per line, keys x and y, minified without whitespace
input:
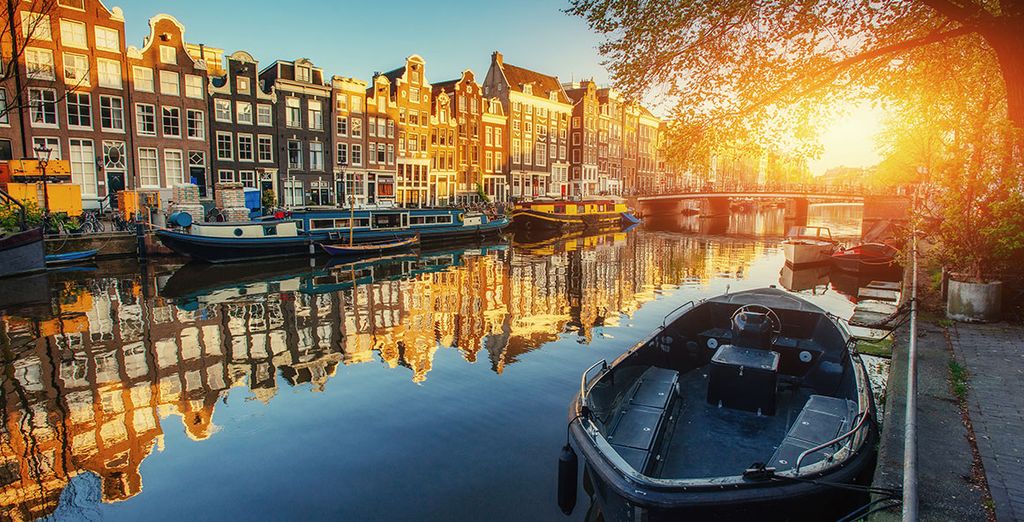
{"x":87,"y":388}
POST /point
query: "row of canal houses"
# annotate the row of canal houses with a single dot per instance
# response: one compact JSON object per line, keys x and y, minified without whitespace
{"x":172,"y":112}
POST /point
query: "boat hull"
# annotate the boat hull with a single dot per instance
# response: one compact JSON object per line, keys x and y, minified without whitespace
{"x":227,"y":250}
{"x":359,"y":250}
{"x":534,"y":220}
{"x":22,"y":253}
{"x":807,"y":253}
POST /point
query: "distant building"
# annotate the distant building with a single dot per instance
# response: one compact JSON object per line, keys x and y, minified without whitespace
{"x":584,"y":133}
{"x":609,"y":149}
{"x":538,"y":111}
{"x":495,"y":151}
{"x":357,"y":185}
{"x":467,"y":102}
{"x":647,"y":151}
{"x":303,"y":110}
{"x":398,"y":109}
{"x":243,"y":126}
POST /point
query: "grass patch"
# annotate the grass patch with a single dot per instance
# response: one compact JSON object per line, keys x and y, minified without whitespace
{"x":958,"y":380}
{"x":945,"y":323}
{"x":879,"y":348}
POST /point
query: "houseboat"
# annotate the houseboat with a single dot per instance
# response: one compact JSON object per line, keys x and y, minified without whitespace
{"x":297,"y":233}
{"x":562,"y":214}
{"x":747,"y":406}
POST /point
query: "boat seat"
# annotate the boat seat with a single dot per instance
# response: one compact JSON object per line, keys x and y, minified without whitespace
{"x":794,"y":360}
{"x":644,"y":410}
{"x":821,"y":420}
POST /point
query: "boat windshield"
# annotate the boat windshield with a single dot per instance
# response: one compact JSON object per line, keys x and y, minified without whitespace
{"x":821,"y":233}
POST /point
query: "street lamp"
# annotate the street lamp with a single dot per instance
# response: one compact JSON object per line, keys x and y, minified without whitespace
{"x":43,"y":156}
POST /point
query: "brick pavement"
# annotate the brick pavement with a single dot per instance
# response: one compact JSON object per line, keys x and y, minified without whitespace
{"x":994,"y":357}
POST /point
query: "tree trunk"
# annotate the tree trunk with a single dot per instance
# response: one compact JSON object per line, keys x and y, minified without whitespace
{"x":1007,"y":40}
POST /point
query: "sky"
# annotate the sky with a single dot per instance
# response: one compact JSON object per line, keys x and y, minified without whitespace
{"x":358,"y":38}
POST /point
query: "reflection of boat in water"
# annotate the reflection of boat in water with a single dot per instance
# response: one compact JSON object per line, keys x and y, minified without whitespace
{"x":206,"y":283}
{"x":868,"y":257}
{"x":548,"y":242}
{"x":748,"y":406}
{"x":800,"y":278}
{"x":808,"y":245}
{"x":850,"y":283}
{"x":370,"y":247}
{"x":563,"y":214}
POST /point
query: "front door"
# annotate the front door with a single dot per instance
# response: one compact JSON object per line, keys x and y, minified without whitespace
{"x":115,"y":184}
{"x":198,"y":177}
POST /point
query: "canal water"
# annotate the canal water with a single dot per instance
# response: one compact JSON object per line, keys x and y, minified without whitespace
{"x":421,"y":387}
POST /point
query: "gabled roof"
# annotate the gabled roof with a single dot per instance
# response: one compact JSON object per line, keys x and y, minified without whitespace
{"x":543,"y":84}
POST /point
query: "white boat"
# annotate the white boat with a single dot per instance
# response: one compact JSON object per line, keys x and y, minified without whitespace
{"x":807,"y":245}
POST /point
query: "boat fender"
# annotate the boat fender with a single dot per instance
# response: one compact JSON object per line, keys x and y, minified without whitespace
{"x":461,"y":218}
{"x":567,"y":468}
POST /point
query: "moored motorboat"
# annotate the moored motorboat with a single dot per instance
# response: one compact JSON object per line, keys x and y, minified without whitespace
{"x":865,"y":258}
{"x":298,"y":233}
{"x":371,"y":247}
{"x":747,"y":406}
{"x":808,"y":245}
{"x":70,"y":258}
{"x":22,"y":252}
{"x":564,"y":214}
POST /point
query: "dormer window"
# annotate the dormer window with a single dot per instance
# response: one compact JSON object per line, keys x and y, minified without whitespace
{"x":528,"y":89}
{"x":553,"y":96}
{"x":304,"y":74}
{"x":168,"y":55}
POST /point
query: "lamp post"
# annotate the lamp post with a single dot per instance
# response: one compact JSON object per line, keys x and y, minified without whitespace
{"x":43,"y":156}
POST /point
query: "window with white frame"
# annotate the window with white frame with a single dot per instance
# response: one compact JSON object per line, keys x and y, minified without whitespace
{"x":145,"y":119}
{"x":293,"y":112}
{"x":42,"y":107}
{"x":225,"y":176}
{"x":149,"y":168}
{"x":79,"y":109}
{"x":342,"y":103}
{"x":222,"y":110}
{"x":342,"y":154}
{"x":171,"y":118}
{"x":168,"y":55}
{"x":316,"y":114}
{"x":195,"y":124}
{"x":53,"y":144}
{"x":72,"y":34}
{"x":243,"y":112}
{"x":3,"y":107}
{"x":193,"y":86}
{"x":342,"y":126}
{"x":108,"y":39}
{"x":109,"y":73}
{"x":225,"y":146}
{"x":114,"y":156}
{"x":39,"y":64}
{"x":316,"y":156}
{"x":517,"y":152}
{"x":247,"y":178}
{"x":264,"y":115}
{"x":357,"y":155}
{"x":294,"y":154}
{"x":111,"y":113}
{"x":142,"y":77}
{"x":76,"y":69}
{"x":83,"y":165}
{"x":242,"y":84}
{"x":36,"y":26}
{"x":265,"y":148}
{"x":355,"y":103}
{"x":174,"y":167}
{"x":169,"y":84}
{"x":303,"y":74}
{"x":245,"y":152}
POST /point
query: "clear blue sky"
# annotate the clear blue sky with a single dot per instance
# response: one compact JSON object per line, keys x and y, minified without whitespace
{"x":358,"y":38}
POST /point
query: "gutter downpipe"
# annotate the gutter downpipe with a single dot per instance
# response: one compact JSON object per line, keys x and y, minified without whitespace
{"x":910,"y":500}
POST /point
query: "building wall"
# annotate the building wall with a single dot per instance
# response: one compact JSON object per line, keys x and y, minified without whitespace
{"x":495,"y":152}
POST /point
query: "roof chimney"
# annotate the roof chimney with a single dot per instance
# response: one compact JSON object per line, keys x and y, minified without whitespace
{"x":497,"y":58}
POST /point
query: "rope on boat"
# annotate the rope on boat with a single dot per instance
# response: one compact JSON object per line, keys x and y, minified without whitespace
{"x":871,"y":507}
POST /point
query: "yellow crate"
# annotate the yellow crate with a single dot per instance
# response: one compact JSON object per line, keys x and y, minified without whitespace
{"x":63,"y":197}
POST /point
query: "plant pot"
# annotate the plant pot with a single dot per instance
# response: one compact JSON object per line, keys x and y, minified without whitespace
{"x":974,"y":302}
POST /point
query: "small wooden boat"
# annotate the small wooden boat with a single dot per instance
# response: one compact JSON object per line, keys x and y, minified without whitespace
{"x":808,"y":245}
{"x":22,"y":252}
{"x":371,"y":247}
{"x":864,"y":258}
{"x":70,"y":258}
{"x":748,"y":406}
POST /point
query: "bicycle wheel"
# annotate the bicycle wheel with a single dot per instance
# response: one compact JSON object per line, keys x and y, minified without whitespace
{"x":88,"y":227}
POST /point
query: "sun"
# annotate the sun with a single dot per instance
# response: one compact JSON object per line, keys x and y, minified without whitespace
{"x":849,"y":140}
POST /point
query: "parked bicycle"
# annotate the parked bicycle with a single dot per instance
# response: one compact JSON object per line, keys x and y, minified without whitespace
{"x":90,"y":223}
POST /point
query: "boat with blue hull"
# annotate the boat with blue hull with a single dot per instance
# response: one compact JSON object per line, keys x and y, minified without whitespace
{"x":298,"y":233}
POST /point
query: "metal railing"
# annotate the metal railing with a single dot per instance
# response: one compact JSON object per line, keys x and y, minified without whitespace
{"x":910,"y":426}
{"x":583,"y":379}
{"x":863,"y":417}
{"x":664,"y":322}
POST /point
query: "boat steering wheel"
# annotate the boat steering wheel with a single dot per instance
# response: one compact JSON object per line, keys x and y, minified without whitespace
{"x":762,"y":309}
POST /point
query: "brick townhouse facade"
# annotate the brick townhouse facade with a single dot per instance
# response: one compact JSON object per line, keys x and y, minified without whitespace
{"x":468,"y":104}
{"x":538,"y":111}
{"x":444,"y":149}
{"x":404,"y":92}
{"x":584,"y":131}
{"x":243,"y":126}
{"x":495,"y":128}
{"x":168,"y":101}
{"x":610,"y":150}
{"x":646,"y":150}
{"x":354,"y":181}
{"x":303,"y":136}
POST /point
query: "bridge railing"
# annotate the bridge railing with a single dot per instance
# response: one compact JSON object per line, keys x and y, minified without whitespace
{"x":799,"y":188}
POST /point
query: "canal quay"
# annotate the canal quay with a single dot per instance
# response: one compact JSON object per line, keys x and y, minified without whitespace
{"x":429,"y":386}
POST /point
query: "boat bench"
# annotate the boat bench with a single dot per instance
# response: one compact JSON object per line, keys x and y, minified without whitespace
{"x":821,"y":420}
{"x":643,"y":412}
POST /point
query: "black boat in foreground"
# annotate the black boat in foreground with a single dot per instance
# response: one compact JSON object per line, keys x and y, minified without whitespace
{"x":748,"y":406}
